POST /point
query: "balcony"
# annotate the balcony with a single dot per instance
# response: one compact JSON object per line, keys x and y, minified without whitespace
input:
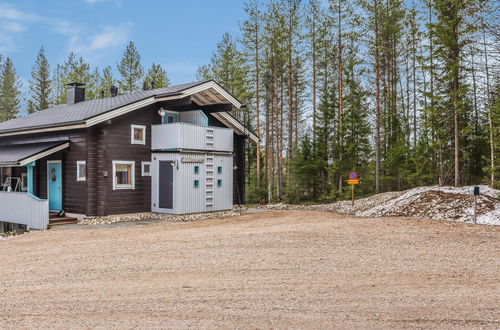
{"x":188,"y":136}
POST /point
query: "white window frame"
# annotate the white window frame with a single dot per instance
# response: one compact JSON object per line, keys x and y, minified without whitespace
{"x":24,"y":181}
{"x":144,"y":173}
{"x":143,"y":128}
{"x":79,"y":176}
{"x":130,"y":186}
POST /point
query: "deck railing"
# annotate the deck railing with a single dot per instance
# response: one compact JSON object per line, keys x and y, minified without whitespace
{"x":193,"y":137}
{"x":25,"y":209}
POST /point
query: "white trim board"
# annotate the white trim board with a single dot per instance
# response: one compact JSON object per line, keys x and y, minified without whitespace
{"x":134,"y":106}
{"x":230,"y":121}
{"x":43,"y":154}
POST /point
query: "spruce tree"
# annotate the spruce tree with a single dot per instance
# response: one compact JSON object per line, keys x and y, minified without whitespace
{"x":157,"y":77}
{"x":130,"y":69}
{"x":9,"y":91}
{"x":40,"y":85}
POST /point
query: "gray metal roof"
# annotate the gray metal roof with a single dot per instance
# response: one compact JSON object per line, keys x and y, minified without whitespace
{"x":79,"y":112}
{"x":13,"y":154}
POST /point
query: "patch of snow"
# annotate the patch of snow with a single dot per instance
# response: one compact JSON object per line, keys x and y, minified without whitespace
{"x":443,"y":203}
{"x":431,"y":202}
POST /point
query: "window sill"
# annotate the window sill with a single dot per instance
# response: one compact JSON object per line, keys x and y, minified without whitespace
{"x":127,"y":187}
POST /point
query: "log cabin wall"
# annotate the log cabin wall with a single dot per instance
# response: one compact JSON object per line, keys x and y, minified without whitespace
{"x":114,"y":144}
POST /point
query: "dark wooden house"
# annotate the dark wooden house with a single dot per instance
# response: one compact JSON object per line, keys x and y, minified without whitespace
{"x":176,"y":149}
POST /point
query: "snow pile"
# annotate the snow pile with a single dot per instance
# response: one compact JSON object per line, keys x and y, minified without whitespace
{"x":443,"y":203}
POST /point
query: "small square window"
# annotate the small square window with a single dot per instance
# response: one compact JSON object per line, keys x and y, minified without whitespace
{"x":81,"y":168}
{"x":197,"y":183}
{"x":219,"y":183}
{"x":138,"y":134}
{"x":146,"y":168}
{"x":219,"y":169}
{"x":196,"y":169}
{"x":123,"y":175}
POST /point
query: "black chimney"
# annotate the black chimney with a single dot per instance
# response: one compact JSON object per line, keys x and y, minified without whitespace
{"x":152,"y":85}
{"x":75,"y":93}
{"x":113,"y":90}
{"x":102,"y":93}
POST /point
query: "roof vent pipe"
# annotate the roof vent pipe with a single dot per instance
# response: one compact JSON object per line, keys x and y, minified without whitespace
{"x":75,"y":93}
{"x":152,"y":85}
{"x":113,"y":90}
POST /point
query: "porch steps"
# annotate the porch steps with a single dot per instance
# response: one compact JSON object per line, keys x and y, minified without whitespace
{"x":54,"y":220}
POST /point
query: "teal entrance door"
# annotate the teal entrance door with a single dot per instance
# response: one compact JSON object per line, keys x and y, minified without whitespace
{"x":55,"y":186}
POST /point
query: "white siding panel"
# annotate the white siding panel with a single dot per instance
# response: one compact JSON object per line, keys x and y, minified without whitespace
{"x":25,"y":209}
{"x":187,"y":198}
{"x":189,"y":136}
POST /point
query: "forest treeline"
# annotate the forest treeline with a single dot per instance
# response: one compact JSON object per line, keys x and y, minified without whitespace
{"x":47,"y":87}
{"x":404,"y":93}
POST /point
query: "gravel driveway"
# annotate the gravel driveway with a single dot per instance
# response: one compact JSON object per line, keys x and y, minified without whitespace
{"x":283,"y":269}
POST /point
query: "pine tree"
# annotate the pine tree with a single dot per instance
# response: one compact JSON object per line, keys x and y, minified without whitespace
{"x":227,"y":66}
{"x":252,"y":43}
{"x":75,"y":70}
{"x":41,"y":85}
{"x":106,"y":81}
{"x":314,"y":32}
{"x":157,"y":77}
{"x":130,"y":69}
{"x":9,"y":91}
{"x":450,"y":37}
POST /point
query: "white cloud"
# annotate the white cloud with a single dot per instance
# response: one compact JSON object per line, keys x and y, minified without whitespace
{"x":13,"y":21}
{"x":10,"y":13}
{"x":108,"y":37}
{"x":92,"y":2}
{"x":14,"y":27}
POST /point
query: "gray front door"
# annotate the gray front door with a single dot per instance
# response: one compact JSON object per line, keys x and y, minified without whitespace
{"x":166,"y":185}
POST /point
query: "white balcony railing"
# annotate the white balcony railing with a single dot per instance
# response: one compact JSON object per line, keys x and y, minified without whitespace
{"x":25,"y":209}
{"x":189,"y":136}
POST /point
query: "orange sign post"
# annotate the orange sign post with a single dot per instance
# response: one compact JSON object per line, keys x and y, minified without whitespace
{"x":353,"y":180}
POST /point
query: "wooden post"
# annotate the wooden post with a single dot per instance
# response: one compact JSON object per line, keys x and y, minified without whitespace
{"x":352,"y":188}
{"x":475,"y":207}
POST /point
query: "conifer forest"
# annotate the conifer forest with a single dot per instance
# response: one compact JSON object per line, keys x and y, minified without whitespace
{"x":405,"y":93}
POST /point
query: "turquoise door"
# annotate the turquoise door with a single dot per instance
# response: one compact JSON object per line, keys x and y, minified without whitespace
{"x":55,"y":186}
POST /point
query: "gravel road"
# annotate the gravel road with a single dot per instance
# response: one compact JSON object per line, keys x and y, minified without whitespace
{"x":282,"y":269}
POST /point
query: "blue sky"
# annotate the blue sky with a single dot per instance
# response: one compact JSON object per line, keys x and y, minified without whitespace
{"x":178,"y":34}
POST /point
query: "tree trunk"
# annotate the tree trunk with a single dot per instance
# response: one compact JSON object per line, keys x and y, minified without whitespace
{"x":489,"y":106}
{"x":377,"y":103}
{"x":257,"y":107}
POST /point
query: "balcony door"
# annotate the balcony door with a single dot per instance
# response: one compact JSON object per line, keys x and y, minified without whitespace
{"x":170,"y":118}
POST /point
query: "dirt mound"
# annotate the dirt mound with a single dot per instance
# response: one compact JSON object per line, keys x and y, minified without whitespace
{"x":443,"y":203}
